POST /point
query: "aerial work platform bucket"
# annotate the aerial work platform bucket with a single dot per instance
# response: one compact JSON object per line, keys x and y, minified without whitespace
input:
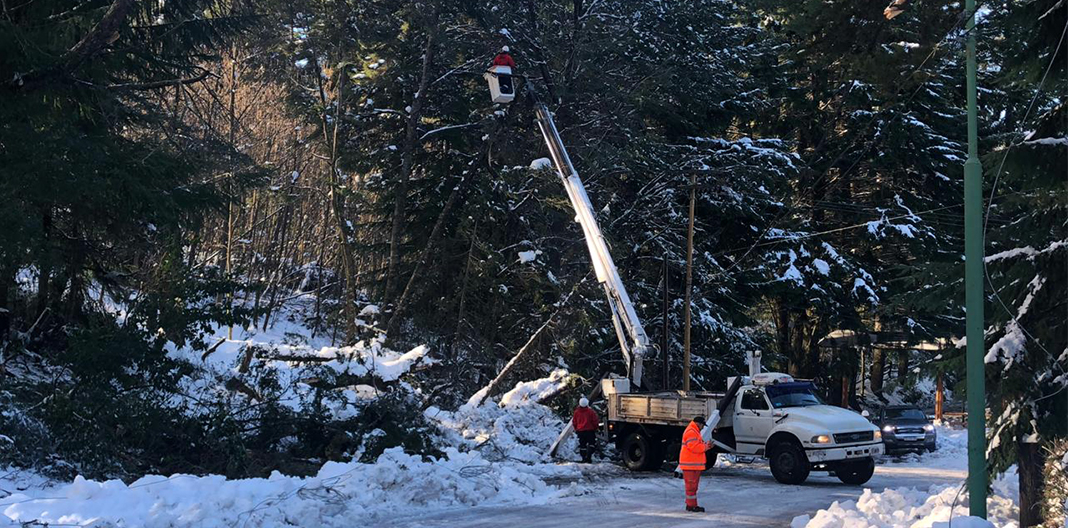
{"x":501,"y":84}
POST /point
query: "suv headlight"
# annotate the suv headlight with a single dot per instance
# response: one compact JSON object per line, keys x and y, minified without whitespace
{"x":888,"y":428}
{"x":821,"y":439}
{"x":929,"y":428}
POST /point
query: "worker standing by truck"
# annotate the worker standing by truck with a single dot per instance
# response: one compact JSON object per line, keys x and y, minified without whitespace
{"x":692,"y":461}
{"x":585,"y":421}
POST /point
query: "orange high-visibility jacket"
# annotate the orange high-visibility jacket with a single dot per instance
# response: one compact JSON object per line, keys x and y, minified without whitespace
{"x":692,"y":455}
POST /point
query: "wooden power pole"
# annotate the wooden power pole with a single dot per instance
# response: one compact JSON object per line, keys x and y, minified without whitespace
{"x":689,"y":287}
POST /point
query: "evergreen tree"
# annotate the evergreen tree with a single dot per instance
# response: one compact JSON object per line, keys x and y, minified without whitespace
{"x":1027,"y":355}
{"x":870,"y":108}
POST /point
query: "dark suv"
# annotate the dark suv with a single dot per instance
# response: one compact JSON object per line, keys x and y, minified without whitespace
{"x":905,"y":428}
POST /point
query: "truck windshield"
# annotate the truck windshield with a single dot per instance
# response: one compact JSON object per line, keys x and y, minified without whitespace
{"x":905,"y":414}
{"x":799,"y":394}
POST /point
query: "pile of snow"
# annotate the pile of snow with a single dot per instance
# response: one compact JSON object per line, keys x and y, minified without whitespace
{"x":924,"y":508}
{"x":521,"y":433}
{"x":494,"y":453}
{"x":541,"y":163}
{"x":912,"y":508}
{"x":341,"y":494}
{"x":535,"y":391}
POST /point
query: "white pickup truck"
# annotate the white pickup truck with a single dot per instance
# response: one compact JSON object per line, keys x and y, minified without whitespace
{"x":769,"y":415}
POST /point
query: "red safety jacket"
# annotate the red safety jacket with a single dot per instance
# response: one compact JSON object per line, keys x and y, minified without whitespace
{"x":504,"y":59}
{"x":692,"y":455}
{"x":584,"y":419}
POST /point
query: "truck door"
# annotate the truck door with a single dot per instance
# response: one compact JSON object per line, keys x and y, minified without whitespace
{"x":752,"y":421}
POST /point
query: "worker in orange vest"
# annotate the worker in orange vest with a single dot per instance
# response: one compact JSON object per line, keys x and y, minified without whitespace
{"x":692,"y":461}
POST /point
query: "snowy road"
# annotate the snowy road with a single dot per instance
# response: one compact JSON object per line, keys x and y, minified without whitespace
{"x":738,"y":496}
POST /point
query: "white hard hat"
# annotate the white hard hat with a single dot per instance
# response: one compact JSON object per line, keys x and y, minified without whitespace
{"x":583,"y":402}
{"x":504,"y":49}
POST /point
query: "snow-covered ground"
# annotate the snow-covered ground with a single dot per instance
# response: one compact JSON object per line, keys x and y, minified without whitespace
{"x":499,"y":476}
{"x":493,"y":472}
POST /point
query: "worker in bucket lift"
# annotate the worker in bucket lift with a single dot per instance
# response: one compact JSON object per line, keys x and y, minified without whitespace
{"x":504,"y":59}
{"x":692,"y":461}
{"x":503,"y":66}
{"x":585,"y":421}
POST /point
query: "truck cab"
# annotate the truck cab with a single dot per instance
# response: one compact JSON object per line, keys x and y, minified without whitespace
{"x":787,"y":422}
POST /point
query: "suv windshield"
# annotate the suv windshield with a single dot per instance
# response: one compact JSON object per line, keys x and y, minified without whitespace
{"x":798,"y":394}
{"x":907,"y":414}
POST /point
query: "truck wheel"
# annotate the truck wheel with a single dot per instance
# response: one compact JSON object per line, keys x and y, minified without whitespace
{"x":789,"y":464}
{"x":855,"y":472}
{"x":639,"y":452}
{"x":671,"y":456}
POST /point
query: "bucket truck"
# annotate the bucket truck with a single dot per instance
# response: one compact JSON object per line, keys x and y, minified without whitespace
{"x":765,"y":414}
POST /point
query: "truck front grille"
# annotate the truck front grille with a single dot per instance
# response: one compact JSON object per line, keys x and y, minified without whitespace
{"x":852,"y":438}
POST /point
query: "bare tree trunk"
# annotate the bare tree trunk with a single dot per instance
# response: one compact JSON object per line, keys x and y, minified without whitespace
{"x":463,"y":289}
{"x":348,"y":292}
{"x":45,"y":273}
{"x":411,"y":141}
{"x":435,"y":234}
{"x":781,"y":316}
{"x":940,"y":398}
{"x":539,"y":53}
{"x":902,"y":364}
{"x":878,"y":364}
{"x":230,"y":193}
{"x":7,"y":278}
{"x":1031,"y":463}
{"x":489,"y":389}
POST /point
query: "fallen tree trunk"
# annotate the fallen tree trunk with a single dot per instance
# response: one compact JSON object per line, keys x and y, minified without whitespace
{"x":487,"y":391}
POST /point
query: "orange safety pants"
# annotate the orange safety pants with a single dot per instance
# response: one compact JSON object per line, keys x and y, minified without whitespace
{"x":692,"y":479}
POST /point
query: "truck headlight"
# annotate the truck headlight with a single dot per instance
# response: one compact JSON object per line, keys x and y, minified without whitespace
{"x":878,"y":434}
{"x":821,"y":439}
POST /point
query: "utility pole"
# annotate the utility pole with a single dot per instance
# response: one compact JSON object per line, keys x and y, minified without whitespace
{"x":974,"y":294}
{"x":689,"y":287}
{"x":667,"y":335}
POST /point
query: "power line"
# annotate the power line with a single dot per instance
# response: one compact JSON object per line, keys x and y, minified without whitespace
{"x":993,"y":188}
{"x":804,"y":236}
{"x":997,"y":177}
{"x":962,"y":18}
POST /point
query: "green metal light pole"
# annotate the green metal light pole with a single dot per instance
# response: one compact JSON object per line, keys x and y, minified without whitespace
{"x":974,"y":294}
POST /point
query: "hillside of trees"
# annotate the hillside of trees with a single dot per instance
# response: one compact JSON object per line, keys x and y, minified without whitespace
{"x":169,"y":169}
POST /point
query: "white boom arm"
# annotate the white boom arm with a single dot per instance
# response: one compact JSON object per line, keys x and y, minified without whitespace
{"x":632,"y":338}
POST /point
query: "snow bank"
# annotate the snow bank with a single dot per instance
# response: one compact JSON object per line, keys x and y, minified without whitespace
{"x":341,"y":494}
{"x":541,"y":163}
{"x":495,"y":456}
{"x":517,"y":433}
{"x":914,"y":508}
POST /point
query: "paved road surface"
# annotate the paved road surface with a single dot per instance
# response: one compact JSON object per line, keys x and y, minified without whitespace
{"x":738,"y":496}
